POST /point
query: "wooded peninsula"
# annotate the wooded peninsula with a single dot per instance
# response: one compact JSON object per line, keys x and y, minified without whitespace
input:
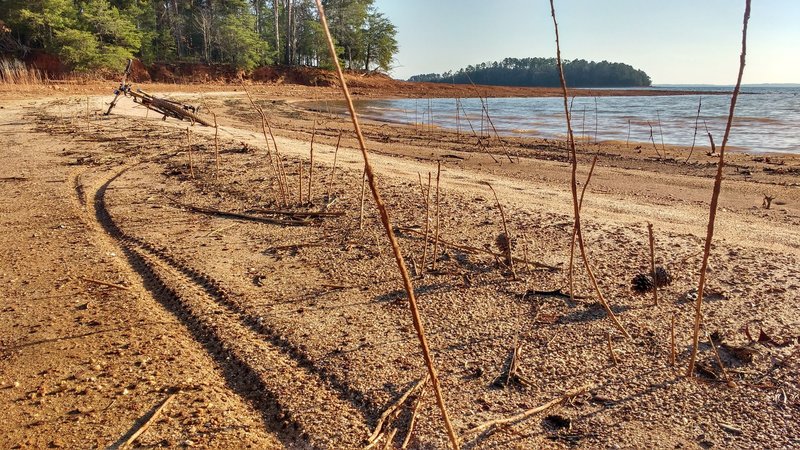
{"x":543,"y":72}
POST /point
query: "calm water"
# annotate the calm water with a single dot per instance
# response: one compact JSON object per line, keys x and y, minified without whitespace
{"x":767,"y":118}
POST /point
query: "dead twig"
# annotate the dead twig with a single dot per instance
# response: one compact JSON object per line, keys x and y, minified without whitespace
{"x":398,"y":254}
{"x":574,"y":185}
{"x":394,"y":409}
{"x":333,"y":169}
{"x":530,"y":412}
{"x":506,"y":239}
{"x":103,"y":283}
{"x":653,"y":263}
{"x":413,"y":420}
{"x":715,"y":197}
{"x":137,"y":431}
{"x":436,"y":232}
{"x":611,"y":353}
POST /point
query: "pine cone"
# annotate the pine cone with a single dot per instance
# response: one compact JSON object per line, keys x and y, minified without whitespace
{"x":663,"y":277}
{"x":642,"y":283}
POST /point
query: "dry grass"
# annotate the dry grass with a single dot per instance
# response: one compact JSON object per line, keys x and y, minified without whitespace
{"x":14,"y":71}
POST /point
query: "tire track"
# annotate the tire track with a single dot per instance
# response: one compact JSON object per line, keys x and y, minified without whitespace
{"x":302,"y":404}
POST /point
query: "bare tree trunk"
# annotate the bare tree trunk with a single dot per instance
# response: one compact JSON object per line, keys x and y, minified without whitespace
{"x":275,"y":7}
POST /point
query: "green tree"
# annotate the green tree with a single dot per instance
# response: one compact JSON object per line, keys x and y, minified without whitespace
{"x":379,"y":41}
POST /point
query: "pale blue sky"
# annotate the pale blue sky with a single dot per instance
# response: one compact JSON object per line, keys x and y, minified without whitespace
{"x":675,"y":42}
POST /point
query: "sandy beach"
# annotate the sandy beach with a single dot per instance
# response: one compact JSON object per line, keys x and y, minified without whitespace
{"x":143,"y":272}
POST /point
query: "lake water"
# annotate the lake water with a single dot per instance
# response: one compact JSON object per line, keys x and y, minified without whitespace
{"x":767,"y":118}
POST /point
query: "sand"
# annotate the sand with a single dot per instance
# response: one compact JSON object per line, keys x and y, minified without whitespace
{"x":300,"y":336}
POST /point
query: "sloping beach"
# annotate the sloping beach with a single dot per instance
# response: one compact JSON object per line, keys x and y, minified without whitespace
{"x":144,"y":273}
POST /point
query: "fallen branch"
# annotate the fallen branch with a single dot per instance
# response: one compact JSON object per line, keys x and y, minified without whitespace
{"x":312,"y":214}
{"x":527,"y":413}
{"x":117,"y":286}
{"x":413,"y":420}
{"x":235,"y":215}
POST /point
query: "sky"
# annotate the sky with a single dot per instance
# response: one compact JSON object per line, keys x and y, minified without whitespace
{"x":675,"y":42}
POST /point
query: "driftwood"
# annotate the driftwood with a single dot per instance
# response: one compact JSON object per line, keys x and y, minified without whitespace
{"x":527,"y":413}
{"x":473,"y":250}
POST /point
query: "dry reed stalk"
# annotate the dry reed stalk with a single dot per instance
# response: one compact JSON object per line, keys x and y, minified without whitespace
{"x":427,"y":195}
{"x":300,"y":182}
{"x":661,"y":131}
{"x":509,"y":247}
{"x":485,"y":107}
{"x":527,"y":413}
{"x":216,"y":147}
{"x":413,"y":420}
{"x":436,"y":232}
{"x":398,"y":255}
{"x":710,"y":139}
{"x":189,"y":146}
{"x":653,"y":139}
{"x":672,"y":352}
{"x":696,"y":120}
{"x":653,"y":262}
{"x":583,"y":126}
{"x":88,"y":123}
{"x":333,"y":169}
{"x":611,"y":353}
{"x":575,"y":233}
{"x":311,"y":163}
{"x":628,"y":139}
{"x":363,"y":191}
{"x":277,"y":165}
{"x":715,"y":196}
{"x":574,"y":186}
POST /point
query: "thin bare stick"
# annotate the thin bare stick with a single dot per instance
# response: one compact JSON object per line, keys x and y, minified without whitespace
{"x":628,"y":139}
{"x":279,"y":169}
{"x":661,"y":131}
{"x":715,"y":197}
{"x":672,"y":341}
{"x":398,"y":254}
{"x":574,"y":185}
{"x":394,"y":408}
{"x":300,"y":182}
{"x":436,"y":232}
{"x":719,"y":363}
{"x":696,"y":120}
{"x":216,"y":147}
{"x":427,"y":195}
{"x":575,"y":233}
{"x":413,"y":420}
{"x":103,"y":283}
{"x":653,"y":262}
{"x":333,"y":169}
{"x":311,"y":163}
{"x":653,"y":140}
{"x":150,"y":420}
{"x":527,"y":413}
{"x":710,"y":140}
{"x":508,"y":248}
{"x":189,"y":146}
{"x":363,"y":191}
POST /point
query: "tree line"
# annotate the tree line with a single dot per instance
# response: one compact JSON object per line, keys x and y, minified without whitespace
{"x":543,"y":72}
{"x":95,"y":34}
